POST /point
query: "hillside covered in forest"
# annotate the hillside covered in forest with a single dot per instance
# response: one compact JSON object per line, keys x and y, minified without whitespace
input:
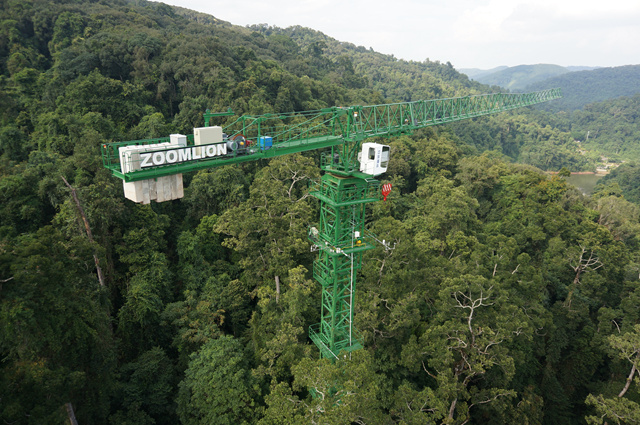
{"x":585,"y":87}
{"x":507,"y":296}
{"x":612,"y":127}
{"x":519,"y":77}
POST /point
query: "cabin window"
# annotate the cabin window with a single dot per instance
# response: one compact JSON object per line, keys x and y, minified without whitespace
{"x":384,"y":158}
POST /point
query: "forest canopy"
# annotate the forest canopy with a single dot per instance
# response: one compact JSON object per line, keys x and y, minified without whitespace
{"x":509,"y":297}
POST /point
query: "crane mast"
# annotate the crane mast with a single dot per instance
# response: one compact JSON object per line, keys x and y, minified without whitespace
{"x":150,"y":169}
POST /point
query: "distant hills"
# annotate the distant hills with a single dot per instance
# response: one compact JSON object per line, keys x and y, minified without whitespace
{"x":477,"y":74}
{"x":585,"y":87}
{"x":580,"y":85}
{"x":519,"y":77}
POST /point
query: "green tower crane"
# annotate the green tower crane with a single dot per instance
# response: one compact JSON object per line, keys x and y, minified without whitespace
{"x":152,"y":170}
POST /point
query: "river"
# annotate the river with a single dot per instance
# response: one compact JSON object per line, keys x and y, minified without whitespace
{"x":584,"y":182}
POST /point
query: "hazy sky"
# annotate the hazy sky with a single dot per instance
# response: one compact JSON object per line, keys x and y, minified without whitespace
{"x":467,"y":33}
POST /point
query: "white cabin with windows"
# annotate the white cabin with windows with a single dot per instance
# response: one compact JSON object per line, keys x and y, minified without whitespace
{"x":374,"y":158}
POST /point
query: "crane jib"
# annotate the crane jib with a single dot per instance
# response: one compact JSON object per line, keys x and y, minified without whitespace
{"x":309,"y":130}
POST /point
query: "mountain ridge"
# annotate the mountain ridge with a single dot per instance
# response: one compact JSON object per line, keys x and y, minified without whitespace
{"x":584,"y":87}
{"x":520,"y":76}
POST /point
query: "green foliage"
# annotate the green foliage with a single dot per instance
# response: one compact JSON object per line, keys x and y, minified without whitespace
{"x":279,"y":325}
{"x":610,"y":128}
{"x":496,"y":304}
{"x":620,"y":409}
{"x":269,"y":228}
{"x":218,"y":387}
{"x":526,"y":138}
{"x":145,"y":389}
{"x":467,"y":342}
{"x":622,"y":181}
{"x":344,"y":392}
{"x":214,"y":191}
{"x":55,"y":339}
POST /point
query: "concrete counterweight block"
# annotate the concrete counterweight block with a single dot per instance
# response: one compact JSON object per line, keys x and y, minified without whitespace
{"x":160,"y":189}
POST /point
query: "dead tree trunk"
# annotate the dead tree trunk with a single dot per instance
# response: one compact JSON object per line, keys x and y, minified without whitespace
{"x":74,"y":194}
{"x":583,"y":264}
{"x":629,"y":380}
{"x":72,"y":416}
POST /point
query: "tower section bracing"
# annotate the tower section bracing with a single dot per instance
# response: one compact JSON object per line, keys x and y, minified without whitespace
{"x":341,"y":240}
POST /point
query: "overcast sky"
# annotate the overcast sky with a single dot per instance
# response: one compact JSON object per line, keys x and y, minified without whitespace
{"x":468,"y":33}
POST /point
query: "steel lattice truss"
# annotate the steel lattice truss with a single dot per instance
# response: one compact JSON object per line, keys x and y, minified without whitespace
{"x":310,"y":130}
